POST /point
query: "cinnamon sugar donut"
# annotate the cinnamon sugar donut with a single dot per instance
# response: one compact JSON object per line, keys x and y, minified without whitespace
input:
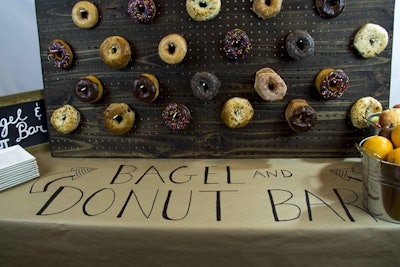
{"x":85,"y":14}
{"x":269,"y":85}
{"x":267,"y":9}
{"x":118,"y":118}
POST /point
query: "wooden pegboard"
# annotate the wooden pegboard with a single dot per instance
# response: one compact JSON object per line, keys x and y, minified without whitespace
{"x":268,"y":134}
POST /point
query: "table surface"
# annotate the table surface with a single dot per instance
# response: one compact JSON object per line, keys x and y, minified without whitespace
{"x":200,"y":212}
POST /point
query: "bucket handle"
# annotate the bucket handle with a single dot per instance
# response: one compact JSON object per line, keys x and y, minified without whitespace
{"x":367,"y":151}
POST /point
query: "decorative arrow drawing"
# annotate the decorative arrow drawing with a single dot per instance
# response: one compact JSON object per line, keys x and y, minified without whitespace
{"x":347,"y":174}
{"x":42,"y":184}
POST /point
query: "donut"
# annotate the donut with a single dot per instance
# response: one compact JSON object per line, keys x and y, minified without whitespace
{"x":236,"y":44}
{"x":362,"y":109}
{"x":59,"y":54}
{"x":237,"y":112}
{"x":145,"y":88}
{"x":370,"y":40}
{"x":142,"y":11}
{"x":330,"y":8}
{"x":118,"y":118}
{"x":176,"y":116}
{"x":115,"y":51}
{"x":299,"y":44}
{"x":300,"y":116}
{"x":269,"y":85}
{"x":205,"y":85}
{"x":85,"y":14}
{"x":172,"y":48}
{"x":65,"y":119}
{"x":331,"y":83}
{"x":267,"y":9}
{"x":203,"y":10}
{"x":88,"y":89}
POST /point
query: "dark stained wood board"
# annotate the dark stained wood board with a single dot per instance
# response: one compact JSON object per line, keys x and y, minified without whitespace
{"x":268,"y":134}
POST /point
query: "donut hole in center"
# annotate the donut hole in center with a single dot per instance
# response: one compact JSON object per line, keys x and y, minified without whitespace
{"x":271,"y":86}
{"x":84,"y":14}
{"x":141,"y":9}
{"x":371,"y":41}
{"x":171,"y":48}
{"x":143,"y":89}
{"x":300,"y":44}
{"x":58,"y":54}
{"x":204,"y":85}
{"x":268,"y":2}
{"x":113,"y":49}
{"x":118,"y":118}
{"x":237,"y":45}
{"x":333,"y":3}
{"x":203,"y":4}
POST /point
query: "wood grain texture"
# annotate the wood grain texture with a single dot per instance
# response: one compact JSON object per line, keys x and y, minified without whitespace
{"x":268,"y":135}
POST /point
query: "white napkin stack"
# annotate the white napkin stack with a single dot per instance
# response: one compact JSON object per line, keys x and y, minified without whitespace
{"x":16,"y":166}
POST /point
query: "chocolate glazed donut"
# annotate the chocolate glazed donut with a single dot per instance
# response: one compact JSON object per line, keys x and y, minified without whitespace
{"x":88,"y":89}
{"x":300,"y":116}
{"x":145,"y":88}
{"x":330,"y":8}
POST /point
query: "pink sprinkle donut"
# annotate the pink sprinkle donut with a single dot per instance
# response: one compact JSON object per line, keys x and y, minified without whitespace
{"x":236,"y":44}
{"x":142,"y":11}
{"x":176,"y":116}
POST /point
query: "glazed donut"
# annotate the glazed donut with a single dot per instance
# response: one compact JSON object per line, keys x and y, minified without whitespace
{"x":331,"y":83}
{"x":370,"y":40}
{"x":330,"y":8}
{"x":145,"y":88}
{"x":172,"y":48}
{"x":176,"y":116}
{"x":237,"y":112}
{"x":236,"y":44}
{"x":88,"y":89}
{"x":205,"y":85}
{"x":142,"y":11}
{"x":267,"y":9}
{"x":85,"y":14}
{"x":299,"y":44}
{"x":362,"y":109}
{"x":202,"y":10}
{"x":59,"y":54}
{"x":269,"y":85}
{"x":119,"y":118}
{"x":65,"y":119}
{"x":300,"y":116}
{"x":115,"y":51}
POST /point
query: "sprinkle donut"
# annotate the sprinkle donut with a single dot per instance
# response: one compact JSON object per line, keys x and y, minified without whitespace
{"x":205,"y":85}
{"x":330,"y":8}
{"x":119,"y":118}
{"x":142,"y":11}
{"x":267,"y":9}
{"x":172,"y":48}
{"x":203,"y":10}
{"x":299,"y":44}
{"x":236,"y":44}
{"x":269,"y":85}
{"x":331,"y":83}
{"x":176,"y":116}
{"x":59,"y":54}
{"x":65,"y":119}
{"x":85,"y":14}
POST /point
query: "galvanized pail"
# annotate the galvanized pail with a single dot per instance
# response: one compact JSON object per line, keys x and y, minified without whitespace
{"x":381,"y":186}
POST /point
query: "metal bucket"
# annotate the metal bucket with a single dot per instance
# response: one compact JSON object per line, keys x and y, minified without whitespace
{"x":381,"y":186}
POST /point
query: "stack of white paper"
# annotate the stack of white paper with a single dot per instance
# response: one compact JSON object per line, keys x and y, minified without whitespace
{"x":16,"y":166}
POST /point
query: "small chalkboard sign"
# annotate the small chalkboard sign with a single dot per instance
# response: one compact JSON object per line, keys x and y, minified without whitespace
{"x":24,"y":124}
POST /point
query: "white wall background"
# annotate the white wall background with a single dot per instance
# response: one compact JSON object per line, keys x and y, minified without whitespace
{"x":20,"y":67}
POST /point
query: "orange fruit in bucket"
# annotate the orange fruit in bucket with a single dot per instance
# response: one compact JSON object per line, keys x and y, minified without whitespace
{"x":377,"y":147}
{"x":395,"y":136}
{"x":394,"y":156}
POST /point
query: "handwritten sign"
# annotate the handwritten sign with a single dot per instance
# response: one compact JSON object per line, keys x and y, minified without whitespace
{"x":23,"y":124}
